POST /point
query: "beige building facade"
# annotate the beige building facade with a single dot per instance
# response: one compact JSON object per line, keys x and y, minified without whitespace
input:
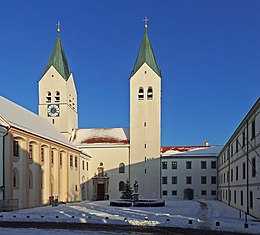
{"x":38,"y":162}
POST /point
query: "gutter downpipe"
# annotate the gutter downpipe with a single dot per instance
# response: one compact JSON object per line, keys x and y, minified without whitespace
{"x":229,"y":176}
{"x":247,"y":173}
{"x":7,"y":129}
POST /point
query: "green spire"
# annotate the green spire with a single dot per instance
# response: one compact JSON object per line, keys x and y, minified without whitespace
{"x":146,"y":55}
{"x":58,"y":59}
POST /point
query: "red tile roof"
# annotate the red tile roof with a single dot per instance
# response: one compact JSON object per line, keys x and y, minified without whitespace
{"x":180,"y":148}
{"x":109,"y":140}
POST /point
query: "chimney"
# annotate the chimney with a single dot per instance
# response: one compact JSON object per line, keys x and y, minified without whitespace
{"x":206,"y":143}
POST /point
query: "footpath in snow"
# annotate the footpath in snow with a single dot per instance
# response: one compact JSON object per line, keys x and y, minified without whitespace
{"x":208,"y":215}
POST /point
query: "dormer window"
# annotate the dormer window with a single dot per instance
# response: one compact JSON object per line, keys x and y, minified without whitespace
{"x":48,"y":97}
{"x":57,"y":96}
{"x":150,"y":93}
{"x":141,"y":93}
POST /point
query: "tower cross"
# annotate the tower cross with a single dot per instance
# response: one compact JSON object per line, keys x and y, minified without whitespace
{"x":58,"y":24}
{"x":145,"y":20}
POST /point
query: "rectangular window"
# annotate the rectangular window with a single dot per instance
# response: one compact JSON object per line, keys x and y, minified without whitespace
{"x":164,"y":165}
{"x":42,"y":154}
{"x":164,"y":193}
{"x":213,"y":164}
{"x":188,"y":180}
{"x":203,"y":179}
{"x":244,"y":170}
{"x":231,"y":175}
{"x":213,"y":192}
{"x":71,"y":161}
{"x":236,"y":145}
{"x":251,"y":199}
{"x":241,"y":198}
{"x":164,"y":180}
{"x":188,"y":165}
{"x":235,"y":196}
{"x":76,"y":162}
{"x":174,"y":192}
{"x":174,"y":165}
{"x":253,"y":167}
{"x":203,"y":192}
{"x":243,"y":138}
{"x":231,"y":150}
{"x":253,"y":130}
{"x":16,"y":148}
{"x":83,"y":165}
{"x":174,"y":179}
{"x":30,"y":151}
{"x":87,"y":166}
{"x":236,"y":172}
{"x":213,"y":179}
{"x":203,"y":165}
{"x":224,"y":177}
{"x":52,"y":157}
{"x":61,"y":159}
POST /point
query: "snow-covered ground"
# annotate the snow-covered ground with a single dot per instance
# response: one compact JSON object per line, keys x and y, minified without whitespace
{"x":185,"y":214}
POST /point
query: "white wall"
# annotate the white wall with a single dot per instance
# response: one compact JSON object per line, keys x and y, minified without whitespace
{"x":242,"y":190}
{"x":196,"y":172}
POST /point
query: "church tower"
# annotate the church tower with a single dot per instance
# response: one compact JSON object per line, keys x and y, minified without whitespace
{"x":145,"y":121}
{"x":57,"y":92}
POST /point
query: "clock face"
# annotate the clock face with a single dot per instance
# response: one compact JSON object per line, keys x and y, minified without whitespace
{"x":53,"y":110}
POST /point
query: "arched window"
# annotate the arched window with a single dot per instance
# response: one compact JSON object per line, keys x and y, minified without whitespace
{"x":32,"y":150}
{"x":121,"y":186}
{"x":42,"y":154}
{"x":48,"y":97}
{"x":150,"y":93}
{"x":121,"y":168}
{"x":42,"y":178}
{"x":16,"y":179}
{"x":30,"y":180}
{"x":57,"y":96}
{"x":141,"y":93}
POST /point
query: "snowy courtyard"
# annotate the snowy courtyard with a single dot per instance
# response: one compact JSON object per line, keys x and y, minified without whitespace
{"x":208,"y":215}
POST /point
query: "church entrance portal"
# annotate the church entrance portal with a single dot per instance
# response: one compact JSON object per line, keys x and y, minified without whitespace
{"x":100,"y":185}
{"x":100,"y":191}
{"x":188,"y":194}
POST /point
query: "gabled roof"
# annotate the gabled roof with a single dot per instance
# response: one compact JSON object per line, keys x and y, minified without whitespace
{"x":23,"y":119}
{"x":58,"y":60}
{"x":100,"y":136}
{"x":146,"y":55}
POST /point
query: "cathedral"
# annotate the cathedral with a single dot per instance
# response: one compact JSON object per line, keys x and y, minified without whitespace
{"x":117,"y":154}
{"x":47,"y":156}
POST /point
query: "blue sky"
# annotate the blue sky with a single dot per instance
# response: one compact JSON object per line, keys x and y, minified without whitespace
{"x":208,"y":52}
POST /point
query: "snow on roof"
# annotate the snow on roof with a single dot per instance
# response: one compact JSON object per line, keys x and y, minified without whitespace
{"x":3,"y":122}
{"x":193,"y":151}
{"x":26,"y":120}
{"x":108,"y":136}
{"x":178,"y":149}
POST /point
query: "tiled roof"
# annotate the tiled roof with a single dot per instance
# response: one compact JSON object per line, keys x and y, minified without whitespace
{"x":58,"y":60}
{"x":106,"y":136}
{"x":146,"y":55}
{"x":191,"y":151}
{"x":180,"y":148}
